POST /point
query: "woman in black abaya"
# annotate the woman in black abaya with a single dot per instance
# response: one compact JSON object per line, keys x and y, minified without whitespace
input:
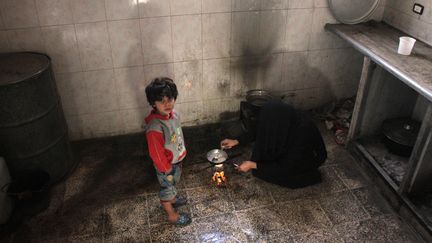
{"x":288,"y":148}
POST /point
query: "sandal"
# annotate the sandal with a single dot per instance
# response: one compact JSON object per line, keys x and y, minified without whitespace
{"x":183,"y":220}
{"x":180,"y":201}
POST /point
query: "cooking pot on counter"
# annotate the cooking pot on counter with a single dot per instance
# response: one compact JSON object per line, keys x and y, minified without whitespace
{"x":400,"y":135}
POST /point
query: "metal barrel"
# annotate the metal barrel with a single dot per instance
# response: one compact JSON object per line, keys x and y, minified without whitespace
{"x":33,"y":130}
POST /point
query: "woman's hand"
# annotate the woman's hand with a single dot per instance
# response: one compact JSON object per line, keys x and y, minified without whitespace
{"x":228,"y":143}
{"x":246,"y":166}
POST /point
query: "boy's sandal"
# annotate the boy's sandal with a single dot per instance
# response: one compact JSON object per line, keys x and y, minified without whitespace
{"x":183,"y":220}
{"x":180,"y":201}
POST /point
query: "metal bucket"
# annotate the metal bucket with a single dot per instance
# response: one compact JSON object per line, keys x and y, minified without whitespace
{"x":33,"y":131}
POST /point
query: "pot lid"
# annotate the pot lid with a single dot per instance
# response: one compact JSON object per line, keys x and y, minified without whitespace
{"x":353,"y":11}
{"x":403,"y":131}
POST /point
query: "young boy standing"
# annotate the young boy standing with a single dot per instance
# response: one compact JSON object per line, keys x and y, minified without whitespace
{"x":166,"y":145}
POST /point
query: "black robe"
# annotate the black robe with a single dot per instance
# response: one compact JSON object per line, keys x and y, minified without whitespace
{"x":288,"y":147}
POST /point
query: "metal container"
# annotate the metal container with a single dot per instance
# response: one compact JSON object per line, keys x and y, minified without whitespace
{"x":250,"y":109}
{"x":258,"y":97}
{"x":33,"y":131}
{"x":353,"y":11}
{"x":400,"y":135}
{"x":217,"y":156}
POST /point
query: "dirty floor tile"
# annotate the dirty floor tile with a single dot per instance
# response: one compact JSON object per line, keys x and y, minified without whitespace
{"x":378,"y":229}
{"x":258,"y":224}
{"x":126,"y":215}
{"x":170,"y":233}
{"x":374,"y":203}
{"x":209,"y":201}
{"x":302,"y":216}
{"x":343,"y":207}
{"x":222,"y":228}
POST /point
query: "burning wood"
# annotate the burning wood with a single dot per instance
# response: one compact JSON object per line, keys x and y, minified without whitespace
{"x":219,"y":178}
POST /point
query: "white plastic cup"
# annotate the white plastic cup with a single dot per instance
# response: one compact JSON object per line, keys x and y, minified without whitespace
{"x":406,"y":45}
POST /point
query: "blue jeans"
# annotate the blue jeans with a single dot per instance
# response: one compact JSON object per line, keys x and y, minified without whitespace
{"x":167,"y":182}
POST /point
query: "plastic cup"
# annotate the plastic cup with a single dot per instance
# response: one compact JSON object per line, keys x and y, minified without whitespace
{"x":406,"y":45}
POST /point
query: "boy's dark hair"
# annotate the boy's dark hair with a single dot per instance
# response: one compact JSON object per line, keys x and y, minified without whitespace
{"x":159,"y":88}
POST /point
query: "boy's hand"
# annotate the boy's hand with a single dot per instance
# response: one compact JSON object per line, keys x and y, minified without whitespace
{"x":228,"y":143}
{"x":246,"y":166}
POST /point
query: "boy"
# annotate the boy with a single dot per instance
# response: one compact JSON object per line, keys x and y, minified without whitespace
{"x":166,"y":145}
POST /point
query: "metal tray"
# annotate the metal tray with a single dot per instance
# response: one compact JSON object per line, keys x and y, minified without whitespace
{"x":353,"y":11}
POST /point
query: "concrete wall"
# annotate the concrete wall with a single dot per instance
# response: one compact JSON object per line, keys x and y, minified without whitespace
{"x":105,"y":52}
{"x":399,"y":14}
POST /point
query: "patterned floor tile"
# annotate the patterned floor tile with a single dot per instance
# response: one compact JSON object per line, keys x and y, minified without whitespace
{"x":209,"y":201}
{"x":249,"y":194}
{"x":258,"y":224}
{"x":343,"y":207}
{"x":170,"y":233}
{"x":372,"y":201}
{"x":139,"y":235}
{"x":351,"y":176}
{"x":127,"y":215}
{"x":80,"y":219}
{"x":379,"y":229}
{"x":221,"y":228}
{"x":303,"y":216}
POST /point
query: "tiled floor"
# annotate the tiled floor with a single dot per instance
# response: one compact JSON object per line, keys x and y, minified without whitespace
{"x":111,"y":197}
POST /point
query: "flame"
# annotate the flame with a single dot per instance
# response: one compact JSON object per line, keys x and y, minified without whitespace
{"x":219,"y":178}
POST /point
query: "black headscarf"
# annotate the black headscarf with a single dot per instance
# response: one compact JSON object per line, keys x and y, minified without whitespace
{"x":275,"y":126}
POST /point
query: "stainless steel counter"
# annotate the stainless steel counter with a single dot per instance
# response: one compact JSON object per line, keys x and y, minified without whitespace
{"x":379,"y":42}
{"x":391,"y":85}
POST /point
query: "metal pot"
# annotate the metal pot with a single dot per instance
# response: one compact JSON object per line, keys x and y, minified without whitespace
{"x":258,"y":97}
{"x":400,"y":135}
{"x":217,"y":156}
{"x":250,"y":109}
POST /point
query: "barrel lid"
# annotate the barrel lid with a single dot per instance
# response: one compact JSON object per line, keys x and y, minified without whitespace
{"x":18,"y":66}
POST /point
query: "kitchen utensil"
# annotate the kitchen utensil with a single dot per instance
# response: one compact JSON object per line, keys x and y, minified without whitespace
{"x":400,"y":135}
{"x":258,"y":97}
{"x":217,"y":156}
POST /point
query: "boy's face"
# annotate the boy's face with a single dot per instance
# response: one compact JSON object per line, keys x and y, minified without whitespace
{"x":165,"y":106}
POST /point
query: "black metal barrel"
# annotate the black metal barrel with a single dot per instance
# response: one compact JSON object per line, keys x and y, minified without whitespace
{"x":33,"y":130}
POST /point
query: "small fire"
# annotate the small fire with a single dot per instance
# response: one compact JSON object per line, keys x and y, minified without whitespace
{"x":219,"y":178}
